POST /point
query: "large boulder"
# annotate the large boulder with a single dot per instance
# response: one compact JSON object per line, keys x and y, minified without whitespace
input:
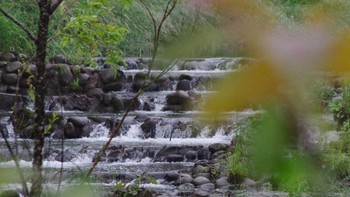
{"x":8,"y":57}
{"x":59,"y":59}
{"x":114,"y":86}
{"x":149,"y":128}
{"x":178,"y":101}
{"x":112,"y":75}
{"x":184,"y":85}
{"x":10,"y":78}
{"x":117,"y":103}
{"x":13,"y":67}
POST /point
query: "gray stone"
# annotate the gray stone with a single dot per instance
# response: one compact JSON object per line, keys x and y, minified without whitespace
{"x":3,"y":64}
{"x":78,"y":121}
{"x":199,"y":169}
{"x":207,"y":187}
{"x":111,"y":75}
{"x":201,"y":193}
{"x":13,"y":67}
{"x":59,"y":59}
{"x":96,"y":93}
{"x":184,"y":85}
{"x":186,"y":188}
{"x":191,"y":155}
{"x":187,"y":77}
{"x":70,"y":132}
{"x":200,"y":180}
{"x":149,"y":128}
{"x":3,"y":88}
{"x":221,"y":182}
{"x":114,"y":86}
{"x":12,"y":89}
{"x":66,"y":75}
{"x":10,"y":78}
{"x":8,"y":57}
{"x":171,"y":176}
{"x":117,"y":103}
{"x":83,"y":79}
{"x":184,"y":178}
{"x":174,"y":158}
{"x":217,"y":147}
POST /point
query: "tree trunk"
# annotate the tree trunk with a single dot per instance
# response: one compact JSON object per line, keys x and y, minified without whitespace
{"x":41,"y":44}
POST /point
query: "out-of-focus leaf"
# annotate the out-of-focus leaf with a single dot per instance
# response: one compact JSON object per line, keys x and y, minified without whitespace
{"x":258,"y":84}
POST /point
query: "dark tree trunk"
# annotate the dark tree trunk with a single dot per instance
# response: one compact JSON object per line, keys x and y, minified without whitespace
{"x":41,"y":44}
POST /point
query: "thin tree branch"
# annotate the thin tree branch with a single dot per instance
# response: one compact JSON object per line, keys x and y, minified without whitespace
{"x":55,"y":6}
{"x":19,"y":24}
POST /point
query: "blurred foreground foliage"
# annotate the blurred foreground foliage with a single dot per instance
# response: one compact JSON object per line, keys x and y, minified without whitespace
{"x":290,"y":60}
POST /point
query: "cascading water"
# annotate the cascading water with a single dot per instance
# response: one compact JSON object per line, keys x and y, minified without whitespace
{"x":136,"y":150}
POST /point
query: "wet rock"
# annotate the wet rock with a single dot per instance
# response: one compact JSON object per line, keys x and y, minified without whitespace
{"x":191,"y":155}
{"x":114,"y":86}
{"x":149,"y":128}
{"x":249,"y":183}
{"x":207,"y":187}
{"x":76,"y":102}
{"x":201,"y":193}
{"x":141,"y":118}
{"x":184,"y":178}
{"x":95,"y":93}
{"x":13,"y":67}
{"x":147,"y":106}
{"x":186,"y":189}
{"x":217,"y":147}
{"x":70,"y":132}
{"x":184,"y":85}
{"x":3,"y":64}
{"x":178,"y":98}
{"x":112,"y":154}
{"x":3,"y":89}
{"x":200,"y":180}
{"x":152,"y":87}
{"x":174,"y":158}
{"x":66,"y":76}
{"x":59,"y":59}
{"x":78,"y":121}
{"x":217,"y":155}
{"x":10,"y":78}
{"x":187,"y":77}
{"x":138,"y":81}
{"x":125,"y":176}
{"x":8,"y":57}
{"x":199,"y":169}
{"x":221,"y":182}
{"x":107,"y":98}
{"x":83,"y":79}
{"x":117,"y":103}
{"x":171,"y":176}
{"x":112,"y":75}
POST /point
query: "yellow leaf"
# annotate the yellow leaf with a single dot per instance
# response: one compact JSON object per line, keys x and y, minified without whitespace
{"x":258,"y":84}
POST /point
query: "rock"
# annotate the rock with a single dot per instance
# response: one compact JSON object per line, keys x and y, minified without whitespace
{"x":8,"y":57}
{"x":3,"y":89}
{"x":117,"y":103}
{"x":114,"y":86}
{"x":147,"y":106}
{"x":199,"y":169}
{"x":68,"y":155}
{"x":249,"y":183}
{"x":152,"y":87}
{"x":3,"y":64}
{"x":107,"y":98}
{"x":10,"y":78}
{"x":191,"y":155}
{"x":70,"y":132}
{"x":171,"y":176}
{"x":112,"y":75}
{"x":184,"y":85}
{"x":13,"y":89}
{"x":79,"y":121}
{"x":201,"y":193}
{"x":222,"y":182}
{"x":186,"y":189}
{"x":174,"y":158}
{"x":59,"y":59}
{"x":65,"y":75}
{"x":149,"y":128}
{"x":218,"y":154}
{"x":136,"y":86}
{"x":178,"y":98}
{"x":125,"y":176}
{"x":217,"y":147}
{"x":207,"y":187}
{"x":13,"y":67}
{"x":140,"y":76}
{"x":187,"y":77}
{"x":184,"y":178}
{"x":95,"y":93}
{"x":83,"y":79}
{"x":76,"y":102}
{"x":200,"y":180}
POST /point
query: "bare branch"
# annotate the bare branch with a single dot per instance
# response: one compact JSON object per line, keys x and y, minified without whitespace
{"x":19,"y":24}
{"x":55,"y":6}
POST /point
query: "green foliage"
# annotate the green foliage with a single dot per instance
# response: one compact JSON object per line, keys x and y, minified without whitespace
{"x":133,"y":189}
{"x":322,"y":91}
{"x":75,"y":84}
{"x":341,"y":107}
{"x":91,"y":35}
